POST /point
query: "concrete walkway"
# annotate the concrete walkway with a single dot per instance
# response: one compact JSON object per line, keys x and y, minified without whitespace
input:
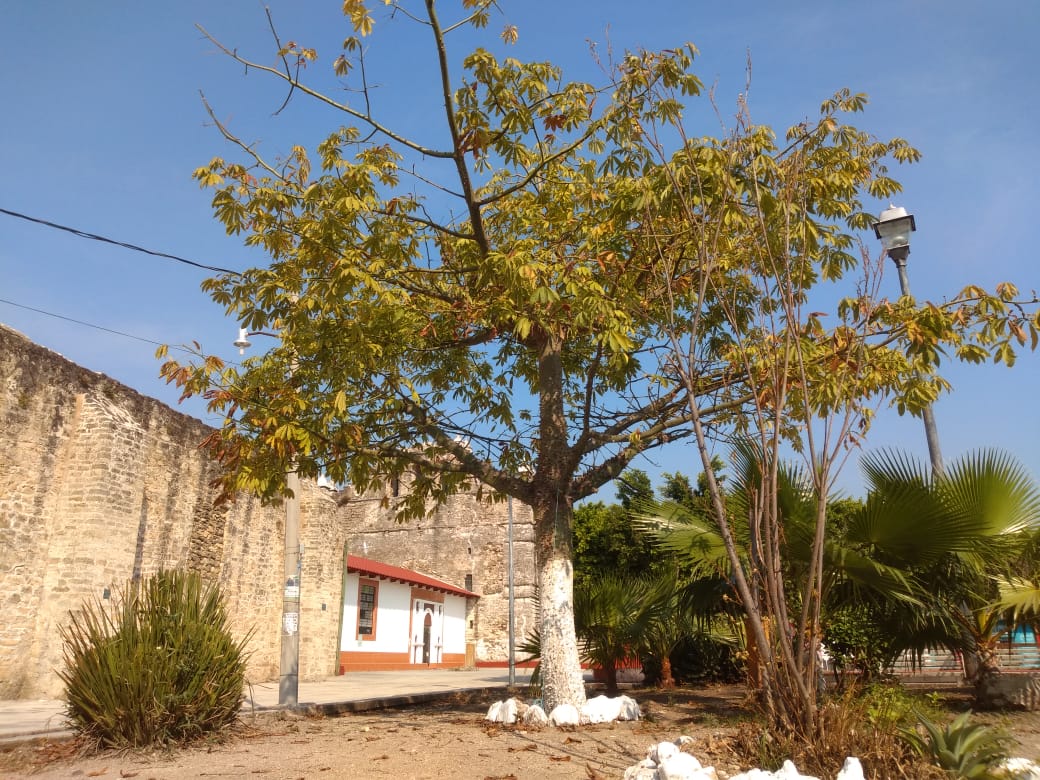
{"x":27,"y":720}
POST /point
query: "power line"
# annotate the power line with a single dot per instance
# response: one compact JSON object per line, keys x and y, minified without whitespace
{"x":134,"y":247}
{"x":88,"y":324}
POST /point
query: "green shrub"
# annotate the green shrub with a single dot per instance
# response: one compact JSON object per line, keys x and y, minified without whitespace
{"x":159,"y":667}
{"x":698,"y":660}
{"x":858,"y":643}
{"x":888,"y":706}
{"x":965,"y":750}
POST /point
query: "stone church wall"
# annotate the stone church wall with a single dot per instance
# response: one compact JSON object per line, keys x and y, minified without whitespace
{"x":100,"y":485}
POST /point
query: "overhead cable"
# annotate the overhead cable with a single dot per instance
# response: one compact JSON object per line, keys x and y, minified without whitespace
{"x":134,"y":247}
{"x":87,"y":324}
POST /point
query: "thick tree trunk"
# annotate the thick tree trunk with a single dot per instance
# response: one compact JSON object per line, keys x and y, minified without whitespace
{"x":562,"y":681}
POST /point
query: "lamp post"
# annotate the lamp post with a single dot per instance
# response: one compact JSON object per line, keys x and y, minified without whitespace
{"x":894,"y":228}
{"x":289,"y":660}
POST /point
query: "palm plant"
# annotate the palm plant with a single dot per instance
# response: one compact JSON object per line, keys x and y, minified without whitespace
{"x":934,"y":560}
{"x":682,"y":609}
{"x":964,"y":538}
{"x":612,"y":614}
{"x":696,"y":539}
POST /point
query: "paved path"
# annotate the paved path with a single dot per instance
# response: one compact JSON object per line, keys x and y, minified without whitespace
{"x":24,"y":720}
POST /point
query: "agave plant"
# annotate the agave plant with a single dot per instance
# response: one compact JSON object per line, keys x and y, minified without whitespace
{"x":966,"y":750}
{"x":160,"y":667}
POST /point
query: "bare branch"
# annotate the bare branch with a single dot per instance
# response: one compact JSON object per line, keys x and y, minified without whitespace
{"x":367,"y":119}
{"x":285,"y":62}
{"x":247,"y":148}
{"x":458,"y":150}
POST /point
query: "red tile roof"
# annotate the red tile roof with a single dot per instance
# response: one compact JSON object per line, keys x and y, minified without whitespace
{"x":377,"y":569}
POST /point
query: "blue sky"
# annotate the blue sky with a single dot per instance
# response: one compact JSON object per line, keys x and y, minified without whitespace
{"x":102,"y":126}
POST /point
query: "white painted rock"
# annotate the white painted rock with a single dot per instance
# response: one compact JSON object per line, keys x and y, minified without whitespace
{"x":853,"y":770}
{"x":629,"y":709}
{"x":503,"y":711}
{"x":666,"y":761}
{"x":1019,"y":769}
{"x":754,"y":774}
{"x":662,"y":750}
{"x":606,"y":710}
{"x":535,"y":716}
{"x":564,"y":715}
{"x":600,"y":710}
{"x":787,"y":772}
{"x":681,"y":766}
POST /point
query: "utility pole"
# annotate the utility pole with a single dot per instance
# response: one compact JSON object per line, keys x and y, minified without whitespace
{"x":289,"y":663}
{"x":289,"y":660}
{"x":512,"y":608}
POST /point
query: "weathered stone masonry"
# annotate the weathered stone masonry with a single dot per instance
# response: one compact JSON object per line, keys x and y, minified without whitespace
{"x":99,"y":484}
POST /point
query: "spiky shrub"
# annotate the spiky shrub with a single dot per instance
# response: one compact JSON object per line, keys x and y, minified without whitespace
{"x":966,"y":750}
{"x":160,"y":667}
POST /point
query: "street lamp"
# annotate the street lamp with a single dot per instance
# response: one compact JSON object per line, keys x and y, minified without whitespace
{"x":289,"y":661}
{"x":894,"y":229}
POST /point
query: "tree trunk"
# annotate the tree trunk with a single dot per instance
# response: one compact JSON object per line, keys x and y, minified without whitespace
{"x":562,"y":681}
{"x":611,"y":674}
{"x":667,"y":680}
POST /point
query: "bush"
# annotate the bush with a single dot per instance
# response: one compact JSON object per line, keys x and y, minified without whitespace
{"x":698,"y":660}
{"x":858,"y":643}
{"x":159,"y":667}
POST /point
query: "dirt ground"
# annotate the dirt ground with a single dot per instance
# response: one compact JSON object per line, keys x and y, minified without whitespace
{"x":436,"y":742}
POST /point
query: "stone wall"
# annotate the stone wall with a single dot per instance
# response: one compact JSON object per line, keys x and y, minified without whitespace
{"x":100,"y":485}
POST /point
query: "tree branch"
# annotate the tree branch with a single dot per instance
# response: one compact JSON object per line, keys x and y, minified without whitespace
{"x":458,"y":151}
{"x":367,"y":119}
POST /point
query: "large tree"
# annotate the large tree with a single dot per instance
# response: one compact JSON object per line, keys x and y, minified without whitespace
{"x":506,"y":323}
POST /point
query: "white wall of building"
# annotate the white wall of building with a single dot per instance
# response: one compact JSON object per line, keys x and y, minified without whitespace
{"x":399,"y":621}
{"x":393,"y":600}
{"x":454,"y":624}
